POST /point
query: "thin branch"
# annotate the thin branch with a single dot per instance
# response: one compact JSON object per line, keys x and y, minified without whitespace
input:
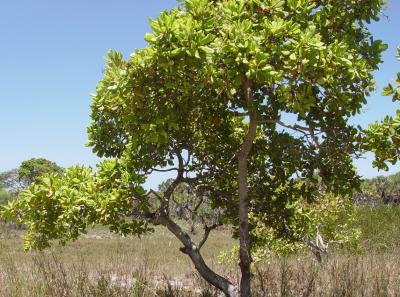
{"x":175,"y":183}
{"x":164,"y":170}
{"x":189,"y":179}
{"x":207,"y":231}
{"x":201,"y":200}
{"x":146,"y":173}
{"x":295,"y":127}
{"x":306,"y":131}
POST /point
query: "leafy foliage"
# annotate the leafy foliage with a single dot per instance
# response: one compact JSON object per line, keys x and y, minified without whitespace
{"x":332,"y":218}
{"x":247,"y":101}
{"x":383,"y":138}
{"x":62,"y":208}
{"x":184,"y":92}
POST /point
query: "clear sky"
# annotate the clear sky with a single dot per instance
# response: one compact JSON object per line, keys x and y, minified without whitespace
{"x":52,"y":55}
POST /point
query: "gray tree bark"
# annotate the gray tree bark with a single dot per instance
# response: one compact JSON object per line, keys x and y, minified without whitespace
{"x":244,"y":230}
{"x":189,"y":248}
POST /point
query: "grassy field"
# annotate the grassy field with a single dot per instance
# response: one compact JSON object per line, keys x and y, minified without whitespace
{"x":103,"y":265}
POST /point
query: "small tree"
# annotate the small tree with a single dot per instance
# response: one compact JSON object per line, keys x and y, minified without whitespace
{"x":247,"y":101}
{"x":29,"y":171}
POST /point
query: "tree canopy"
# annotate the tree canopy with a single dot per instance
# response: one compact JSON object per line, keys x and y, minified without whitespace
{"x":248,"y":102}
{"x":30,"y":170}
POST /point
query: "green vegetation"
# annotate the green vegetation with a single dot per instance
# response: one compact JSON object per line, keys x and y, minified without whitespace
{"x":383,"y":138}
{"x":379,"y":226}
{"x":221,"y":78}
{"x":375,"y":186}
{"x":206,"y":69}
{"x":250,"y":103}
{"x":29,"y":171}
{"x":4,"y":197}
{"x":14,"y":181}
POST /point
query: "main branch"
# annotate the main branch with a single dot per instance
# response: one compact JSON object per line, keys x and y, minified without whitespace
{"x":162,"y":217}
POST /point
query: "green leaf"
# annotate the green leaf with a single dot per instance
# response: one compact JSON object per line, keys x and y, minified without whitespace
{"x":150,"y":38}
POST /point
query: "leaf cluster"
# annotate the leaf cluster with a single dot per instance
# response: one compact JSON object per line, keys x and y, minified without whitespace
{"x":63,"y":207}
{"x":383,"y":138}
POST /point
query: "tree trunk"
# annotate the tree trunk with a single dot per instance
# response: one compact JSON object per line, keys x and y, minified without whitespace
{"x":244,"y":230}
{"x":190,"y":249}
{"x":161,"y":217}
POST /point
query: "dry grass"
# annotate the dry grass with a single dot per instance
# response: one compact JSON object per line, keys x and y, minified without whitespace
{"x":372,"y":275}
{"x":104,"y":265}
{"x":100,"y":265}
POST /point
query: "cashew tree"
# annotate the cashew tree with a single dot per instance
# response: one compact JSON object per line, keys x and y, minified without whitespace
{"x":248,"y":102}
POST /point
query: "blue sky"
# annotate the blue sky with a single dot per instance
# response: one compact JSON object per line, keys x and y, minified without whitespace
{"x":52,"y":55}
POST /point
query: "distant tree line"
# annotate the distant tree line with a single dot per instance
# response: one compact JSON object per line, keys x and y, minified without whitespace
{"x":379,"y":190}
